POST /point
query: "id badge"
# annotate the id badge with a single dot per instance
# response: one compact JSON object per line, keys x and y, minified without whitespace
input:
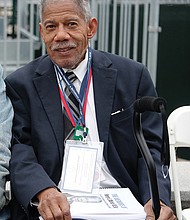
{"x":81,"y":166}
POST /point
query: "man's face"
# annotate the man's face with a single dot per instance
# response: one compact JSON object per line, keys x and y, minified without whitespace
{"x":66,"y":33}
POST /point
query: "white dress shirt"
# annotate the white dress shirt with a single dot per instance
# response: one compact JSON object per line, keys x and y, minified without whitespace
{"x":107,"y":179}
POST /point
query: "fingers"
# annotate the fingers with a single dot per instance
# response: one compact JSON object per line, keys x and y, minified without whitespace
{"x":149,"y":211}
{"x":53,"y":205}
{"x":166,"y":213}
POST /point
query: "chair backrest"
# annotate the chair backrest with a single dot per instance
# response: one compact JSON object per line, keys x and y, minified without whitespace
{"x":179,"y":136}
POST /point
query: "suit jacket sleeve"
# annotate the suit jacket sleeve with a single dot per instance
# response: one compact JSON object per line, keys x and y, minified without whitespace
{"x":118,"y":83}
{"x":33,"y":137}
{"x":152,"y":130}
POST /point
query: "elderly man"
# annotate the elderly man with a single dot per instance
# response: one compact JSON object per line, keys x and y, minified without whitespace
{"x":103,"y":88}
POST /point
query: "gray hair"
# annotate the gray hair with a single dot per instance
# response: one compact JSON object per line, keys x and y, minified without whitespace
{"x":83,"y":5}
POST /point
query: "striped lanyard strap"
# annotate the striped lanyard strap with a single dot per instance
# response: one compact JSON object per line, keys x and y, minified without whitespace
{"x":81,"y":97}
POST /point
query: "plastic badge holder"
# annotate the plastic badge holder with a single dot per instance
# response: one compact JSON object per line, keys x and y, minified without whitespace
{"x":81,"y":170}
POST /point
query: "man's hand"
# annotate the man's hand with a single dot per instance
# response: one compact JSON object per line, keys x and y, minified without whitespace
{"x":166,"y":212}
{"x":53,"y":205}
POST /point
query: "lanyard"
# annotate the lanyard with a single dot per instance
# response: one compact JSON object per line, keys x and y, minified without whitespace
{"x":81,"y":97}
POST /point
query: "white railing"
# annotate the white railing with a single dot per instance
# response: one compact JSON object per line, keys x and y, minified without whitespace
{"x":129,"y":28}
{"x":18,"y":47}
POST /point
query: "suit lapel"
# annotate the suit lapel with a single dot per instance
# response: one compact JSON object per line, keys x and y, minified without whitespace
{"x":47,"y":89}
{"x":104,"y":80}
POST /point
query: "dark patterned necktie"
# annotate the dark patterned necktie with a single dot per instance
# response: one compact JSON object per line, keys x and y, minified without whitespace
{"x":73,"y":103}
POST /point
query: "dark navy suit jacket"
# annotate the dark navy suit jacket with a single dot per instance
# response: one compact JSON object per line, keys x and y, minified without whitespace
{"x":38,"y":131}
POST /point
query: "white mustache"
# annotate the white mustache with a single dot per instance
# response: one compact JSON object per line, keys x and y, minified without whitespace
{"x":63,"y":45}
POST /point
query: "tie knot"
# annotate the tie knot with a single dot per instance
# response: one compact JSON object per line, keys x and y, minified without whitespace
{"x":71,"y":76}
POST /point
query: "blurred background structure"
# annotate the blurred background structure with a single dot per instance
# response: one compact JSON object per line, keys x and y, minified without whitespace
{"x":126,"y":27}
{"x":154,"y":32}
{"x":129,"y":28}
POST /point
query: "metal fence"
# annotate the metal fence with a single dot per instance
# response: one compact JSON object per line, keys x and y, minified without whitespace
{"x":19,"y":37}
{"x":130,"y":28}
{"x":126,"y":27}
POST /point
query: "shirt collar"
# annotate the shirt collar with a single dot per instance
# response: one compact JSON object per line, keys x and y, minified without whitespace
{"x":81,"y":69}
